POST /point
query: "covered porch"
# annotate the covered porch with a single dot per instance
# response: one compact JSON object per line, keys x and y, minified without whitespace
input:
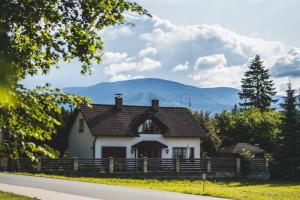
{"x":149,"y":149}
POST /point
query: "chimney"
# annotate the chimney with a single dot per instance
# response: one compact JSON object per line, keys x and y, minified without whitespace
{"x":155,"y":105}
{"x":118,"y":102}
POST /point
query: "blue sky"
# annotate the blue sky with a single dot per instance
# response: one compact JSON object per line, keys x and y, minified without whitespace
{"x":206,"y":43}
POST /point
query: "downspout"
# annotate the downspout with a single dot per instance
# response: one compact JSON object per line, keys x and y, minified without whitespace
{"x":93,"y":147}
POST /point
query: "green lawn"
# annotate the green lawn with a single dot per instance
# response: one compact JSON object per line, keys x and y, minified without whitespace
{"x":248,"y":190}
{"x":10,"y":196}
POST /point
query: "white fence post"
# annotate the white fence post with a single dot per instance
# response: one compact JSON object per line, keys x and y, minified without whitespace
{"x":4,"y":163}
{"x":111,"y":164}
{"x":145,"y":165}
{"x":39,"y":165}
{"x":177,"y":165}
{"x":208,"y":164}
{"x":75,"y":164}
{"x":238,"y":166}
{"x":267,"y":165}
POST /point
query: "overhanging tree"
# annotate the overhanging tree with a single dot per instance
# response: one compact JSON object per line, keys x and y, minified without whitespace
{"x":35,"y":36}
{"x":257,"y":88}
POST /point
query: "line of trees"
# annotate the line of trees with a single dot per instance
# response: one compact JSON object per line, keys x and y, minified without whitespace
{"x":255,"y":121}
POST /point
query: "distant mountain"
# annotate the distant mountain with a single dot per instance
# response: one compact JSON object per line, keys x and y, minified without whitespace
{"x":141,"y":91}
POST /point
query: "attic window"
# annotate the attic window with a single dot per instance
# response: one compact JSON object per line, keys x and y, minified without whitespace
{"x":149,"y":127}
{"x":81,"y":125}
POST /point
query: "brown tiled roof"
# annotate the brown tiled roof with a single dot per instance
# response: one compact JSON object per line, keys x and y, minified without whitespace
{"x":104,"y":120}
{"x":238,"y":148}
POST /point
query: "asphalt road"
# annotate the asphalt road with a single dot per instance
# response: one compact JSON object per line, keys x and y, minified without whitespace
{"x":93,"y":190}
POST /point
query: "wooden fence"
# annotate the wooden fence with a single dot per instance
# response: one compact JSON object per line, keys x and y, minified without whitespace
{"x":226,"y":166}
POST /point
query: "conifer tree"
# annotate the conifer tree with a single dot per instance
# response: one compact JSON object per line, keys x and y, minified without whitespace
{"x":290,"y":126}
{"x":257,"y":88}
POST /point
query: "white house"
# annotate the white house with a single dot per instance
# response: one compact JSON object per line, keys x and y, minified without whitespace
{"x":127,"y":131}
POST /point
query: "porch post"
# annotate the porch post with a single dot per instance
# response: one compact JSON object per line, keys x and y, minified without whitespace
{"x":111,"y":164}
{"x":75,"y":164}
{"x":177,"y":165}
{"x":208,"y":164}
{"x":145,"y":165}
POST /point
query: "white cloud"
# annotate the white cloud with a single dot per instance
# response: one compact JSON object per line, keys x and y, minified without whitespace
{"x":209,"y":39}
{"x":210,"y":61}
{"x":219,"y":76}
{"x":123,"y":77}
{"x":113,"y":33}
{"x":181,"y":67}
{"x":287,"y":64}
{"x":116,"y":70}
{"x":113,"y":57}
{"x":149,"y":51}
{"x":210,"y":54}
{"x":147,"y":64}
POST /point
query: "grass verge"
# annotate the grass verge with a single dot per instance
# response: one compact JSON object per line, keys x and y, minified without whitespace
{"x":10,"y":196}
{"x":248,"y":190}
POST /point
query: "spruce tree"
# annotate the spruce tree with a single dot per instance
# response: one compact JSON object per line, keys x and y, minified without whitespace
{"x":290,"y":126}
{"x":257,"y":88}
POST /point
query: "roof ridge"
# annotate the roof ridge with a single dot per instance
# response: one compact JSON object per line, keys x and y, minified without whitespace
{"x":128,"y":105}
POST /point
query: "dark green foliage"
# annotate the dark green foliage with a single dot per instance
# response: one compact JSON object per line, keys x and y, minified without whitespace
{"x":257,"y":88}
{"x":212,"y":142}
{"x":30,"y":123}
{"x":250,"y":126}
{"x":35,"y":36}
{"x":290,"y":127}
{"x":59,"y":140}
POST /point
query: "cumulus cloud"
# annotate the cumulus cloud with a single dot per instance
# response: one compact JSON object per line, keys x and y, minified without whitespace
{"x":147,"y":64}
{"x":149,"y":51}
{"x":123,"y":77}
{"x":219,"y":76}
{"x":288,"y":64}
{"x":209,"y":55}
{"x":210,"y":61}
{"x":181,"y":67}
{"x":116,"y":70}
{"x":113,"y":57}
{"x":113,"y":33}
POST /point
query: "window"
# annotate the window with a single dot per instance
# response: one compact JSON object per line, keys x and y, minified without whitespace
{"x":149,"y":127}
{"x":81,"y":125}
{"x":181,"y":152}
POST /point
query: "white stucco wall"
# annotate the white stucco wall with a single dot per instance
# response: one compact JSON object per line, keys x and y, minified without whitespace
{"x":80,"y":143}
{"x":129,"y":141}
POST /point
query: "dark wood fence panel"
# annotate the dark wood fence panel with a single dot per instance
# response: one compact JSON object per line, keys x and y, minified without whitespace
{"x":213,"y":166}
{"x":161,"y":165}
{"x":24,"y":165}
{"x":57,"y":165}
{"x":93,"y":165}
{"x":193,"y":165}
{"x":223,"y":164}
{"x":254,"y":166}
{"x":127,"y":165}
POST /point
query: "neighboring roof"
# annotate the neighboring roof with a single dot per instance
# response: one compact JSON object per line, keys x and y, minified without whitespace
{"x":238,"y":148}
{"x":149,"y":144}
{"x":105,"y":120}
